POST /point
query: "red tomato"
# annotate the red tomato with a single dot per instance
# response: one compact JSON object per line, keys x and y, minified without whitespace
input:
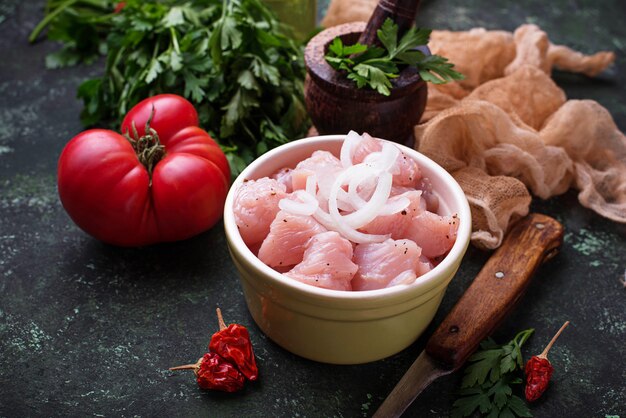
{"x":111,"y":194}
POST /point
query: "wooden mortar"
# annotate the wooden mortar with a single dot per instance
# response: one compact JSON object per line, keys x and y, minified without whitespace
{"x":337,"y":106}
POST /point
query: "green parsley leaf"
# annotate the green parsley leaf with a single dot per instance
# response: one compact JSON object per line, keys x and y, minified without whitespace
{"x":484,"y":363}
{"x":388,"y":35}
{"x":488,"y":378}
{"x":231,"y":37}
{"x":174,"y":17}
{"x":359,"y":80}
{"x":336,"y":47}
{"x":154,"y":70}
{"x":518,"y":407}
{"x":412,"y":38}
{"x":375,"y":67}
{"x":466,"y":405}
{"x":500,"y":392}
{"x":437,"y":70}
{"x":411,"y":58}
{"x":354,"y":49}
{"x":376,"y":78}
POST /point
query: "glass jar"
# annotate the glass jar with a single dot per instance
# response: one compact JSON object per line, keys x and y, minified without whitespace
{"x":300,"y":14}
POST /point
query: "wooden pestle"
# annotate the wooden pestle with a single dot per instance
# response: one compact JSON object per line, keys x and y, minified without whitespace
{"x":402,"y":12}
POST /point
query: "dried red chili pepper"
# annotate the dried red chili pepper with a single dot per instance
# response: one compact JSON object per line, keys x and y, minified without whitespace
{"x":539,"y":371}
{"x":233,"y":344}
{"x":229,"y":362}
{"x":214,"y":373}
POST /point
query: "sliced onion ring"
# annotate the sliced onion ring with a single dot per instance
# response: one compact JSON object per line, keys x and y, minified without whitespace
{"x":372,"y":208}
{"x":348,"y":147}
{"x":347,"y":229}
{"x":394,"y":206}
{"x":307,"y":206}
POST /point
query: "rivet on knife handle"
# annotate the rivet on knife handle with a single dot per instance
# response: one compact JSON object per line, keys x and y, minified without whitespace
{"x":496,"y":289}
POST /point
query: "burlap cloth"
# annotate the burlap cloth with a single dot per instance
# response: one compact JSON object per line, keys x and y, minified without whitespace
{"x":507,"y":131}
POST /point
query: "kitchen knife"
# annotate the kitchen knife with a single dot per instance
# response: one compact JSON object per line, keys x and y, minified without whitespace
{"x":491,"y":296}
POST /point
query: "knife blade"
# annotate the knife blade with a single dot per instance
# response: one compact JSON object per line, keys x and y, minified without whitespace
{"x":494,"y":292}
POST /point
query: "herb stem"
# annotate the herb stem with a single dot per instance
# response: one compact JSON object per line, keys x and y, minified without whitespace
{"x":174,"y":40}
{"x":49,"y":18}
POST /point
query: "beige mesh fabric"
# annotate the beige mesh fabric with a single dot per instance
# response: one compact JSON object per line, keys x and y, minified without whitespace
{"x":480,"y":55}
{"x":495,"y":201}
{"x":567,"y":59}
{"x":528,"y":94}
{"x":437,"y":101}
{"x":534,"y":48}
{"x":531,"y":48}
{"x":588,"y":134}
{"x":508,"y":130}
{"x":344,"y":11}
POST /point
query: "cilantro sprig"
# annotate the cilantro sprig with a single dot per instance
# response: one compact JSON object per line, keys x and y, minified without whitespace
{"x":232,"y":59}
{"x":375,"y":67}
{"x":487,"y":381}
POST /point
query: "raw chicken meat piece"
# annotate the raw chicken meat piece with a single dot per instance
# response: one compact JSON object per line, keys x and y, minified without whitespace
{"x":320,"y":160}
{"x":432,"y":200}
{"x":255,"y":206}
{"x":397,"y":224}
{"x":287,"y":239}
{"x":410,"y":174}
{"x":434,"y":233}
{"x":424,"y":266}
{"x":406,"y":172}
{"x":381,"y":263}
{"x":327,"y":262}
{"x":365,"y":148}
{"x":396,"y":190}
{"x":298,"y":178}
{"x":326,"y":168}
{"x":406,"y":277}
{"x":283,"y":176}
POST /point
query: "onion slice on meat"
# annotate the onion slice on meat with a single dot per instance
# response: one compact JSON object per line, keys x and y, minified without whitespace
{"x":348,"y":226}
{"x":306,"y":206}
{"x":372,"y":208}
{"x":394,"y":206}
{"x":367,"y":195}
{"x":311,"y":184}
{"x":385,"y":159}
{"x":347,"y":148}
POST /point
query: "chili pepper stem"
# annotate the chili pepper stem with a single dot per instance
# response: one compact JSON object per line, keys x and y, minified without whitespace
{"x":220,"y":319}
{"x":544,"y":353}
{"x":194,"y":366}
{"x":184,"y":367}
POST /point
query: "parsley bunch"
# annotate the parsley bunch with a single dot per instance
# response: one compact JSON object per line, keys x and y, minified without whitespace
{"x":486,"y":385}
{"x":375,"y":67}
{"x":232,"y":59}
{"x":80,"y":26}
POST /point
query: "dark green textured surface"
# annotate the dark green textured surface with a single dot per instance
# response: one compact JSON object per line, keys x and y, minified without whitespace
{"x":87,"y":329}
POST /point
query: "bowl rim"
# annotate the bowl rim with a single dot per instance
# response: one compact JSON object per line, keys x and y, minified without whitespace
{"x":425,"y":283}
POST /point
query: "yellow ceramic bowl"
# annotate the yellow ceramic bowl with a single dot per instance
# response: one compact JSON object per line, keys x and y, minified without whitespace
{"x":343,"y":327}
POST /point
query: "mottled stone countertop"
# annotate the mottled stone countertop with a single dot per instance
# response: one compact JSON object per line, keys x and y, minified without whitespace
{"x":87,"y":329}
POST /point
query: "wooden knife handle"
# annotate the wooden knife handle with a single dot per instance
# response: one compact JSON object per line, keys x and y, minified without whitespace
{"x":496,"y":290}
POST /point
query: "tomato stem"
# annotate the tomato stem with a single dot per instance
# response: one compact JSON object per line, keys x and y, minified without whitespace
{"x":148,"y":147}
